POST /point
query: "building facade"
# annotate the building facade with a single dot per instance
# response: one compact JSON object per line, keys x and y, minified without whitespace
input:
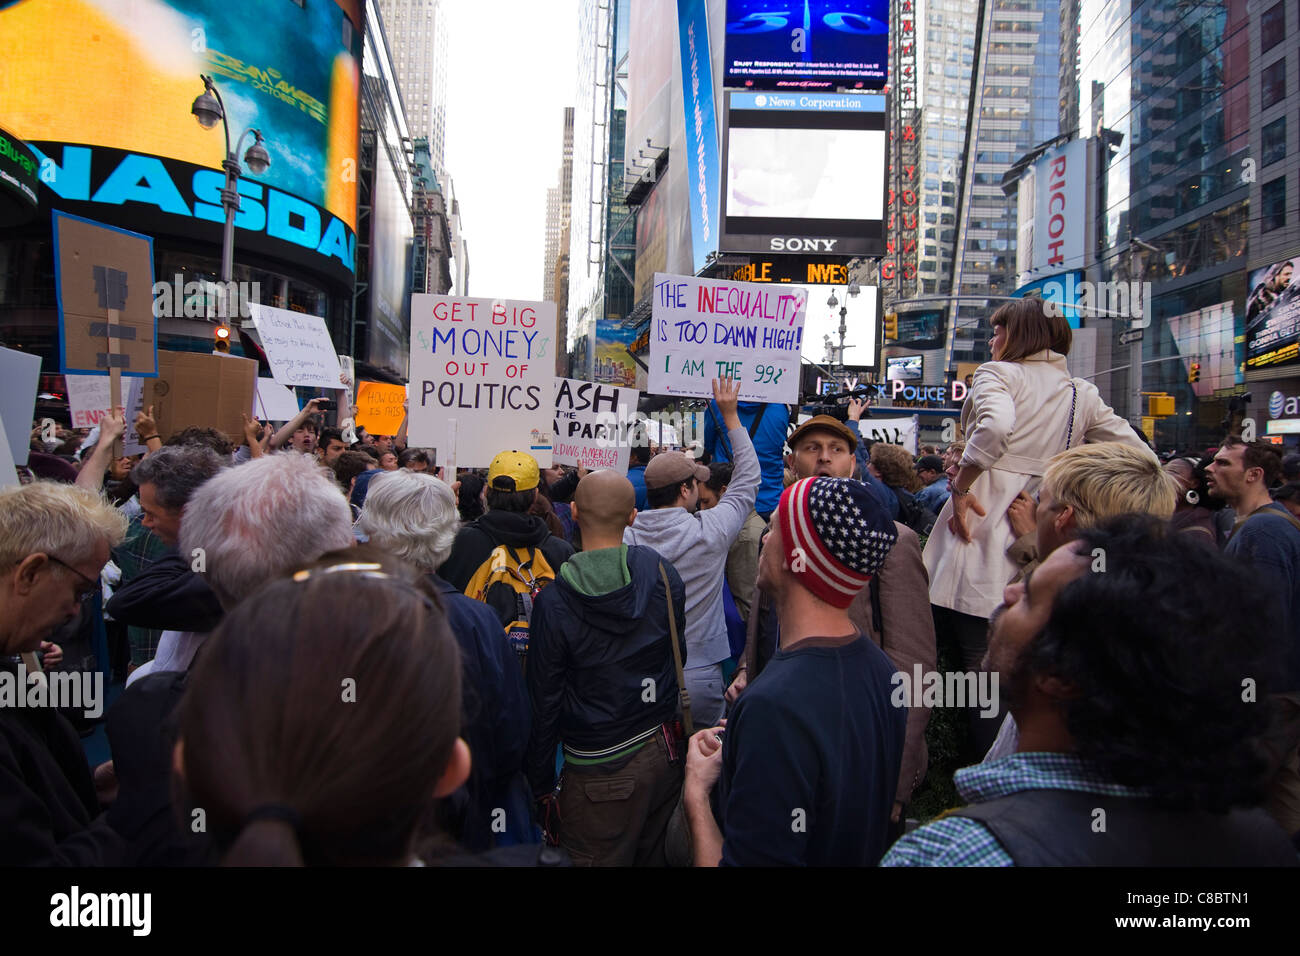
{"x":418,"y":33}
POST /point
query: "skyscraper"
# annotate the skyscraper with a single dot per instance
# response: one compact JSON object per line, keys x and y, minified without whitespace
{"x":558,"y":200}
{"x":417,"y":31}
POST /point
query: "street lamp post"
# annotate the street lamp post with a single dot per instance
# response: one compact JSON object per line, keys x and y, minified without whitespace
{"x":853,"y":292}
{"x":208,"y":109}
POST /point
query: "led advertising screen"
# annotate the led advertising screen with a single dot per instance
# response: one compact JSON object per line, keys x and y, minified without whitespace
{"x":804,"y":173}
{"x":821,"y":325}
{"x":117,"y":87}
{"x":1273,"y":316}
{"x":906,"y":368}
{"x":814,"y":45}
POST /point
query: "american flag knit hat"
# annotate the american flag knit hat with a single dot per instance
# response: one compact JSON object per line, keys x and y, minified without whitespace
{"x":835,"y":534}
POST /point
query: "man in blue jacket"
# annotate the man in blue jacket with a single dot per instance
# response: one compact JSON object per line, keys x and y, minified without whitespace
{"x":766,"y":426}
{"x":603,"y":681}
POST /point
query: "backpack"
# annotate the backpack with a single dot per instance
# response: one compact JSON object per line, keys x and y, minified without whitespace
{"x":508,"y":582}
{"x":915,"y":515}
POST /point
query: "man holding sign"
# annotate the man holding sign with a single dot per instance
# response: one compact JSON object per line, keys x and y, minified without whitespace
{"x":696,"y":544}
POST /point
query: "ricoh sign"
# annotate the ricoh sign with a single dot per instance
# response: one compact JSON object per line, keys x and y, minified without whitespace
{"x":1052,"y":211}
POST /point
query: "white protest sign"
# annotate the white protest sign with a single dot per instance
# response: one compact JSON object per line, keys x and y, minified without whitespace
{"x":488,"y":366}
{"x":704,"y":329}
{"x":20,"y":373}
{"x":273,"y":402}
{"x":88,"y":399}
{"x":131,"y":444}
{"x":298,"y":346}
{"x":594,"y":424}
{"x":8,"y":473}
{"x":892,"y":431}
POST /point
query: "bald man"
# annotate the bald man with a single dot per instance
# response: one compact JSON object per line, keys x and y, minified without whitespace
{"x":603,"y":683}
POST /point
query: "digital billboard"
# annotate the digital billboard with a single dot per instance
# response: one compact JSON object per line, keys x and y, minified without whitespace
{"x":815,"y":45}
{"x":1273,"y":316}
{"x":905,"y":368}
{"x":805,"y":173}
{"x":119,"y":83}
{"x":821,"y":324}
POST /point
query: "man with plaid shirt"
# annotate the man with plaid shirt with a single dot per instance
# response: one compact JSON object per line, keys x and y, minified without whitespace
{"x":1118,"y":662}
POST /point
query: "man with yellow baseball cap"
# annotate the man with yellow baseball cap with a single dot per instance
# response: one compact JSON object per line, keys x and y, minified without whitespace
{"x":513,"y":479}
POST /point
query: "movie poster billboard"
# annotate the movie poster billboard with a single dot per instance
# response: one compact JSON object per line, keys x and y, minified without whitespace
{"x":1273,"y":316}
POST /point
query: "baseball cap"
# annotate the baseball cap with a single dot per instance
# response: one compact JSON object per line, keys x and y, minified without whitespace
{"x":671,"y":467}
{"x":930,"y":463}
{"x":823,"y":423}
{"x":513,"y":471}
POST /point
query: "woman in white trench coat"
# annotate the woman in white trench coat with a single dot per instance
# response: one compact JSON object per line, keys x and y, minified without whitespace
{"x":1023,"y":408}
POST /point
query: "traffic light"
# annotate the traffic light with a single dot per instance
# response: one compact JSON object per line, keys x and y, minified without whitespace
{"x":1194,"y":373}
{"x":891,"y":326}
{"x":221,"y":338}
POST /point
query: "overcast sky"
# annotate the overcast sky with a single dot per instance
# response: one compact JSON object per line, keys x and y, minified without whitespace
{"x":512,"y":69}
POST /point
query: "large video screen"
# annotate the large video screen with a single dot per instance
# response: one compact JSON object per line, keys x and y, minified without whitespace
{"x":804,"y":173}
{"x":814,"y":45}
{"x":1273,"y":316}
{"x":821,"y":327}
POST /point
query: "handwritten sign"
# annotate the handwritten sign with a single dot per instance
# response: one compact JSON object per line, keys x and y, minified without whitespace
{"x":488,"y":366}
{"x":379,"y":407}
{"x":87,"y":399}
{"x":298,"y":347}
{"x":892,"y":431}
{"x":272,"y":402}
{"x":704,"y":329}
{"x":594,"y":424}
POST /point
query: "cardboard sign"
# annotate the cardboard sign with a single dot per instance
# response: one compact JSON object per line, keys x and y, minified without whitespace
{"x":104,"y":278}
{"x":298,"y":347}
{"x":272,"y":402}
{"x":704,"y":329}
{"x":210,"y":391}
{"x":379,"y":407}
{"x":20,"y":373}
{"x":482,"y":371}
{"x":594,"y":424}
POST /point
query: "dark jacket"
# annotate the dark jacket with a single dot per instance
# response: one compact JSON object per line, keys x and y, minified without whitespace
{"x":495,"y":719}
{"x":167,"y":596}
{"x":47,"y":798}
{"x":474,"y":544}
{"x":589,"y":658}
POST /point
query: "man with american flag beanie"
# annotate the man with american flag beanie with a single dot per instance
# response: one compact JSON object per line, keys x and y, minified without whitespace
{"x":804,"y":772}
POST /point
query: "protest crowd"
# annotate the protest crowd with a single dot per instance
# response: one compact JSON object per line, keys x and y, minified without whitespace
{"x":337,"y":648}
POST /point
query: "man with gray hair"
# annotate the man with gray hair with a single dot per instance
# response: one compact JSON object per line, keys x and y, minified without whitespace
{"x":54,"y":540}
{"x":413,"y":516}
{"x":163,"y":593}
{"x":247,"y":525}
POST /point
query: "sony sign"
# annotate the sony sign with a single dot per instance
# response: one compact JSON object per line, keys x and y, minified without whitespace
{"x":795,"y":244}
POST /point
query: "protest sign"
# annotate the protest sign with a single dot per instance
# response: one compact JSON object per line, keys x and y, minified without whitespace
{"x":131,"y":444}
{"x":482,"y":370}
{"x":379,"y":407}
{"x":273,"y":402}
{"x":594,"y":424}
{"x":104,"y":279}
{"x":209,"y":391}
{"x":20,"y":373}
{"x":704,"y":329}
{"x":8,"y":473}
{"x":87,"y":399}
{"x":892,"y":431}
{"x":298,"y":347}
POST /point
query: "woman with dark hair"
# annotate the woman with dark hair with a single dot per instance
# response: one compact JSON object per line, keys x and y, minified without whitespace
{"x":323,"y":734}
{"x":1023,"y":408}
{"x":469,"y":498}
{"x":1194,"y":512}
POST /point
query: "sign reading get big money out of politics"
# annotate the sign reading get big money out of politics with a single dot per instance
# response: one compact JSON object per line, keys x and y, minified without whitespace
{"x":482,"y":370}
{"x":702,"y":329}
